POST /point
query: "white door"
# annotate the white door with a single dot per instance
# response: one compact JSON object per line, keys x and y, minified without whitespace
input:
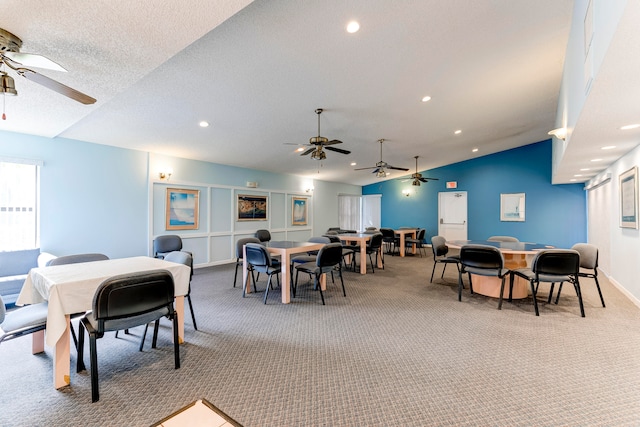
{"x":452,"y":215}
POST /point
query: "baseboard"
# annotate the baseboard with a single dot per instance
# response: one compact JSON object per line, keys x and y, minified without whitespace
{"x":624,"y":291}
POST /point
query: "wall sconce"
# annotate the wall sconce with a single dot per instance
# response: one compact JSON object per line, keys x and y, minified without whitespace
{"x":406,"y":192}
{"x":560,"y":133}
{"x":166,"y":173}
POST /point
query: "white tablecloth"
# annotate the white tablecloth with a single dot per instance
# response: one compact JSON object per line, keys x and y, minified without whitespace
{"x":70,"y":288}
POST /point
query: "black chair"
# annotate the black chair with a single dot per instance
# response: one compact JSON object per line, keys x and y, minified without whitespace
{"x":418,"y":241}
{"x":588,"y":261}
{"x":162,"y":245}
{"x":263,"y":235}
{"x":482,"y":260}
{"x":374,"y":246}
{"x":76,"y":259}
{"x":440,"y":251}
{"x":309,"y":256}
{"x":123,"y":302}
{"x":329,"y":259}
{"x":239,"y":257}
{"x":551,"y":266}
{"x":390,"y":239}
{"x":22,"y":321}
{"x":347,"y":252}
{"x":260,"y":260}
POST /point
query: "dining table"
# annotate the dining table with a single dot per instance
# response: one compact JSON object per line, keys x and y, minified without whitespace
{"x":402,"y":233}
{"x":70,"y":289}
{"x":516,"y":255}
{"x":283,"y":248}
{"x":361,"y":239}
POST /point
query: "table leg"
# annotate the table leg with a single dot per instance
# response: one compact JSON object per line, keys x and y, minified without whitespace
{"x":363,"y":258}
{"x":180,"y":310}
{"x":401,"y":244}
{"x":37,"y":342}
{"x":285,"y":281}
{"x":245,"y":270}
{"x":380,"y":263}
{"x":62,"y":358}
{"x":413,"y":246}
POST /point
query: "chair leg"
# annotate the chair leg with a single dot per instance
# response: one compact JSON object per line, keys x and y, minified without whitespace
{"x":156,"y":328}
{"x":144,"y":336}
{"x":176,"y":343}
{"x":470,"y":284}
{"x":501,"y":293}
{"x":80,"y":362}
{"x":73,"y":335}
{"x":433,"y":270}
{"x":558,"y":294}
{"x":266,"y":291}
{"x":553,"y":285}
{"x":579,"y":293}
{"x":535,"y":301}
{"x":344,"y":293}
{"x":599,"y":291}
{"x":319,"y":287}
{"x":460,"y":286}
{"x":443,"y":270}
{"x":193,"y":316}
{"x":235,"y":276}
{"x":371,"y":262}
{"x":95,"y":392}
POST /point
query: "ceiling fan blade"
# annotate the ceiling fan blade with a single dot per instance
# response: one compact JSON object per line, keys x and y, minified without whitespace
{"x":399,"y":169}
{"x":33,"y":60}
{"x":377,"y":170}
{"x":333,"y":141}
{"x":55,"y":86}
{"x":338,"y":150}
{"x":310,"y":150}
{"x":361,"y":169}
{"x":428,"y":179}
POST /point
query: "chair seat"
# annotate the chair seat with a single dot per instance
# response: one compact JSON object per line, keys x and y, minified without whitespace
{"x":25,"y":317}
{"x":127,"y":322}
{"x":486,"y":272}
{"x":528,"y":274}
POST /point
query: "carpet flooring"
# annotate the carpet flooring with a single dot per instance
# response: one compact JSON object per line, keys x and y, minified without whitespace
{"x":397,"y":351}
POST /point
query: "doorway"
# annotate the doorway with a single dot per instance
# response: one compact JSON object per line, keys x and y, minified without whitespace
{"x":452,"y":215}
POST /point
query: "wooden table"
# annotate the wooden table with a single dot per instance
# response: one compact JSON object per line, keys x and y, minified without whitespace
{"x":361,"y":239}
{"x":515,"y":256}
{"x":70,"y":289}
{"x":285,"y":249}
{"x":402,"y":233}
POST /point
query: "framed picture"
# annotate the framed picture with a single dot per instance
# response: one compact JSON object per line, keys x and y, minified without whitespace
{"x":512,"y":207}
{"x":629,"y":198}
{"x":252,"y":208}
{"x":299,"y":211}
{"x":182,"y":209}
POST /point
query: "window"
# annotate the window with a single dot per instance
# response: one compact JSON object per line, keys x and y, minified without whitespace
{"x":19,"y":216}
{"x":359,"y":212}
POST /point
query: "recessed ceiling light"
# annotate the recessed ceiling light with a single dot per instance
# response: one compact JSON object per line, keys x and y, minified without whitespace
{"x":474,"y":150}
{"x":204,"y":124}
{"x":596,"y":160}
{"x":573,"y":180}
{"x":458,"y":132}
{"x":578,"y":174}
{"x":353,"y":163}
{"x":608,"y":147}
{"x":353,"y":27}
{"x":633,"y":126}
{"x":585,"y":169}
{"x":426,"y":98}
{"x":300,"y":149}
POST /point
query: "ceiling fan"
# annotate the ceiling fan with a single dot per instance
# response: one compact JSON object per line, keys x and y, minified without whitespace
{"x":382,"y":165}
{"x":417,"y":177}
{"x":319,"y":143}
{"x":11,"y":57}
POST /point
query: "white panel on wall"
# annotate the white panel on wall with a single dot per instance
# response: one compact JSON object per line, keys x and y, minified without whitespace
{"x":198,"y":247}
{"x":279,"y":218}
{"x":299,"y":235}
{"x":279,"y":235}
{"x":222,"y":248}
{"x":220,"y":207}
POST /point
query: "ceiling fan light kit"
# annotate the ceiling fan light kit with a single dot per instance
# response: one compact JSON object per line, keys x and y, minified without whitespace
{"x":417,"y":176}
{"x":319,"y":143}
{"x":379,"y":168}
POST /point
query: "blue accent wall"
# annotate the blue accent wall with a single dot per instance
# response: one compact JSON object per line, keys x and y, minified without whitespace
{"x":555,"y":214}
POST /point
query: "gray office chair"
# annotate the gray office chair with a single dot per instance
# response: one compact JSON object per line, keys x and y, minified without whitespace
{"x":162,"y":245}
{"x":329,"y":259}
{"x":260,"y":260}
{"x":440,"y":251}
{"x":588,"y":261}
{"x":123,"y":302}
{"x":309,"y":256}
{"x":390,"y":239}
{"x":263,"y":235}
{"x":482,"y":260}
{"x":374,"y":246}
{"x":240,"y":260}
{"x":22,"y":321}
{"x":551,"y":266}
{"x":503,"y":239}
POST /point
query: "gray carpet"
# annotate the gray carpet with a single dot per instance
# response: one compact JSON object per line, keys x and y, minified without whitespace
{"x":397,"y":351}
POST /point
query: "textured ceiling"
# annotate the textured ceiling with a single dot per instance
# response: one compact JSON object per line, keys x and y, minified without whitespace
{"x":256,"y":71}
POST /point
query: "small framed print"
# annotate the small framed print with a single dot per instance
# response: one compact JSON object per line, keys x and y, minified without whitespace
{"x":252,"y":208}
{"x":629,"y":198}
{"x":299,"y":211}
{"x":182,"y":209}
{"x":512,"y":206}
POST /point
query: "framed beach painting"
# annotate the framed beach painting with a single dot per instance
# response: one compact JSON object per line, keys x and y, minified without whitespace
{"x":512,"y":206}
{"x":629,"y":198}
{"x":182,"y":209}
{"x":252,"y":208}
{"x":299,"y":211}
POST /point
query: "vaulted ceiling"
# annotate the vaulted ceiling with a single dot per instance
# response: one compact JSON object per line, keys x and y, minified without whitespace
{"x":257,"y":71}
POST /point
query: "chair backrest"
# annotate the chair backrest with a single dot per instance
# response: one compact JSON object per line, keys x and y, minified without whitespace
{"x":421,"y":233}
{"x":333,"y":238}
{"x":257,"y":255}
{"x":132,"y":299}
{"x":376,"y":241}
{"x":588,"y":255}
{"x":336,"y":229}
{"x":263,"y":235}
{"x":560,"y":262}
{"x":331,"y":233}
{"x":320,"y":239}
{"x":241,"y":242}
{"x":388,"y":233}
{"x":330,"y":255}
{"x":481,"y":256}
{"x":503,"y":239}
{"x":439,"y":246}
{"x":76,"y":259}
{"x":179,"y":257}
{"x":166,"y":243}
